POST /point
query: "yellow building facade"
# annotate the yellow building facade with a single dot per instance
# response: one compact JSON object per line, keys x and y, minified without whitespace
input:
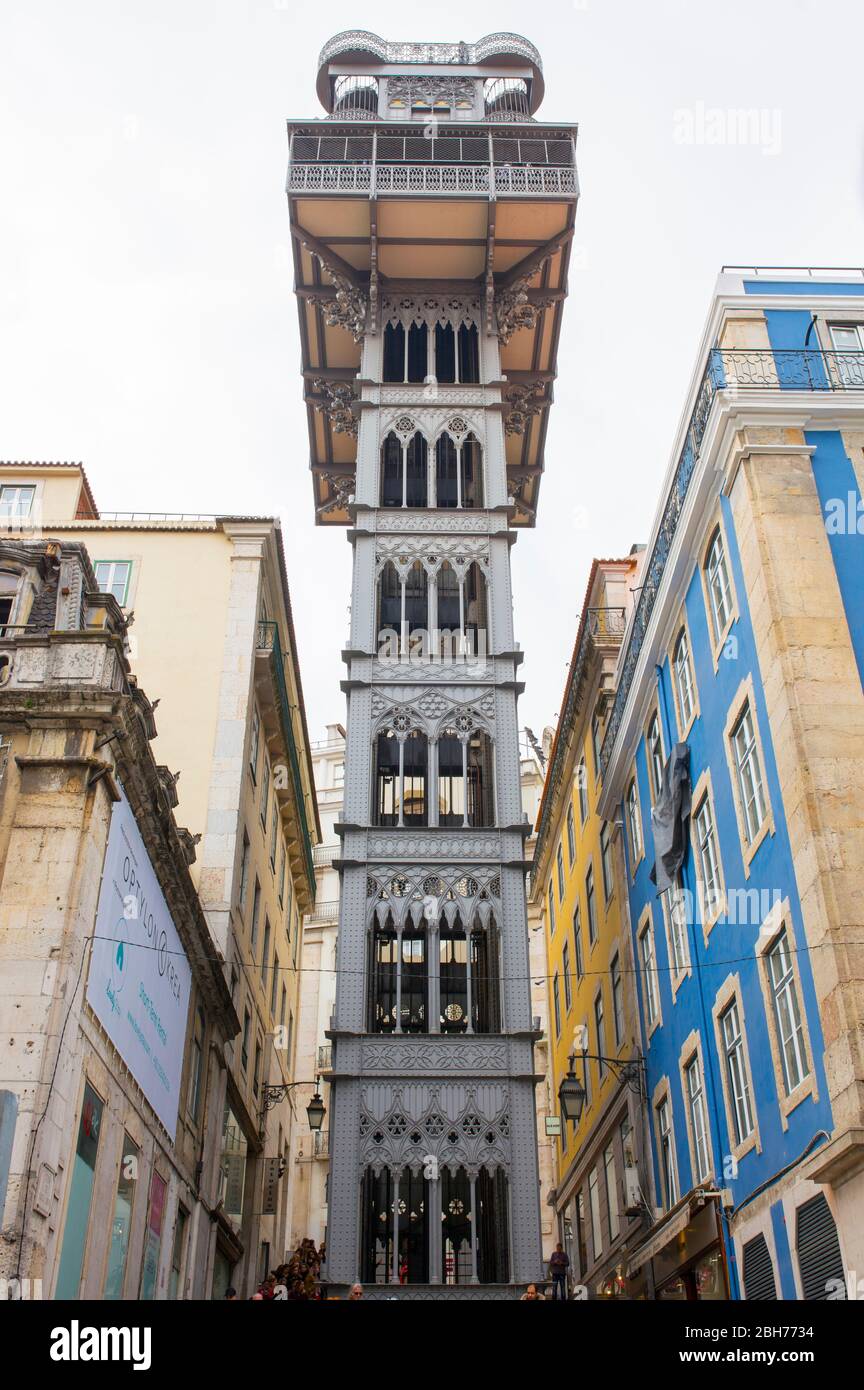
{"x":600,"y":1196}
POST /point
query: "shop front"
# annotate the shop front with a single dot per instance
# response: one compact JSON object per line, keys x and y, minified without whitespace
{"x":683,"y":1256}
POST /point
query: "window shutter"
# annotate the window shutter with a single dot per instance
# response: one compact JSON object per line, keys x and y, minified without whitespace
{"x":819,"y":1258}
{"x":758,"y":1270}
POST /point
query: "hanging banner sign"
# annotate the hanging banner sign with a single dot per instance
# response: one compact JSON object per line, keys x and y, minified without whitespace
{"x":139,"y":981}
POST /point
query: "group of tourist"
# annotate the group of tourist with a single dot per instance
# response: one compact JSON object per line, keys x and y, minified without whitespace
{"x":298,"y":1280}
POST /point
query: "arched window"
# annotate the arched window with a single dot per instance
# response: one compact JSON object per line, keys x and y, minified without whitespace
{"x":457,"y":1260}
{"x":414,"y":779}
{"x":449,"y":602}
{"x":400,"y":778}
{"x":388,"y":768}
{"x":485,"y":980}
{"x":403,"y":611}
{"x":392,"y":492}
{"x":389,"y":600}
{"x":451,"y":779}
{"x":474,"y":609}
{"x":445,"y":353}
{"x":471,"y":473}
{"x":492,"y":1235}
{"x":475,"y":1244}
{"x":446,"y":472}
{"x":465,"y":763}
{"x":416,"y":488}
{"x":396,"y":1223}
{"x":461,"y":613}
{"x":458,"y":472}
{"x":413,"y":976}
{"x":406,"y":354}
{"x":453,"y":976}
{"x":469,"y":353}
{"x":481,"y":797}
{"x":394,"y":352}
{"x":403,"y":472}
{"x":382,"y":976}
{"x":416,"y":599}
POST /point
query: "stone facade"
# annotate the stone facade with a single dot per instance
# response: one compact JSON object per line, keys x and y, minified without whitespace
{"x":76,"y":734}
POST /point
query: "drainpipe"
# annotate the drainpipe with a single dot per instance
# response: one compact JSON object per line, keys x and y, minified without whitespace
{"x":661,"y":704}
{"x":710,"y":1082}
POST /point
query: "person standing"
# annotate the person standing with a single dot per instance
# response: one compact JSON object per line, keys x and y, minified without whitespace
{"x":559,"y":1263}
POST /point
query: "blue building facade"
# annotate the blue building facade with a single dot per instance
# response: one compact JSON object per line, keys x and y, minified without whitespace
{"x":747,"y":646}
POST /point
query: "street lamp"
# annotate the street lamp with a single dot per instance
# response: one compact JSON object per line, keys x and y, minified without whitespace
{"x":571,"y":1094}
{"x":316,"y":1111}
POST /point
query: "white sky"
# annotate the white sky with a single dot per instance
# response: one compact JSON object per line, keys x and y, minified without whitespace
{"x":148,"y":324}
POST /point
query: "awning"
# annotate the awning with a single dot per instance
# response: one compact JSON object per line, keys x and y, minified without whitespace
{"x":671,"y":1226}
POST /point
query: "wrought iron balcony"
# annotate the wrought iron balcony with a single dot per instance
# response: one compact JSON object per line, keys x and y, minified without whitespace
{"x":787,"y":369}
{"x":325,"y":1057}
{"x":730,"y":371}
{"x":484,"y":180}
{"x":535,"y":163}
{"x":268,"y":640}
{"x":606,"y":622}
{"x":321,"y":1143}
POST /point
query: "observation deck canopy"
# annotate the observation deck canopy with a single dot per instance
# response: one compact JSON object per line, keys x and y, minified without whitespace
{"x":429,"y":170}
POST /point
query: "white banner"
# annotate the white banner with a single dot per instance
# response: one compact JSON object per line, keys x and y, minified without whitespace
{"x":139,"y":981}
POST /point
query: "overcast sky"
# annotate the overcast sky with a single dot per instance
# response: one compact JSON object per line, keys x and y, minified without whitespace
{"x":148,"y":324}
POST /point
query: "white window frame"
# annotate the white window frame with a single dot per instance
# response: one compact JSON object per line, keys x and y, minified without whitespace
{"x":707,"y":856}
{"x":718,"y":584}
{"x":788,"y":1012}
{"x":684,"y":680}
{"x":743,"y":745}
{"x":736,"y":1072}
{"x":610,"y":1173}
{"x":728,"y":996}
{"x":582,"y":787}
{"x":751,"y":782}
{"x":634,"y":824}
{"x":664,"y":1131}
{"x":654,"y":751}
{"x":14,"y":491}
{"x":648,"y":962}
{"x":112,"y":567}
{"x":594,"y":1203}
{"x":693,"y":1090}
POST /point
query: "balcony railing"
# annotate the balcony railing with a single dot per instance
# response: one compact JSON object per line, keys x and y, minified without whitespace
{"x":268,"y":640}
{"x":325,"y":1057}
{"x":325,"y":912}
{"x":321,"y":1143}
{"x":731,"y":370}
{"x":788,"y":369}
{"x":485,"y":180}
{"x":322,"y":855}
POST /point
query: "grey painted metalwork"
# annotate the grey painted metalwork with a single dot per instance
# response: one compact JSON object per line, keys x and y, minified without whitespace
{"x":403,"y":1101}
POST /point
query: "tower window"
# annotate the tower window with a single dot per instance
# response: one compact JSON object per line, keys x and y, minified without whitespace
{"x":404,"y":478}
{"x":400,"y":778}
